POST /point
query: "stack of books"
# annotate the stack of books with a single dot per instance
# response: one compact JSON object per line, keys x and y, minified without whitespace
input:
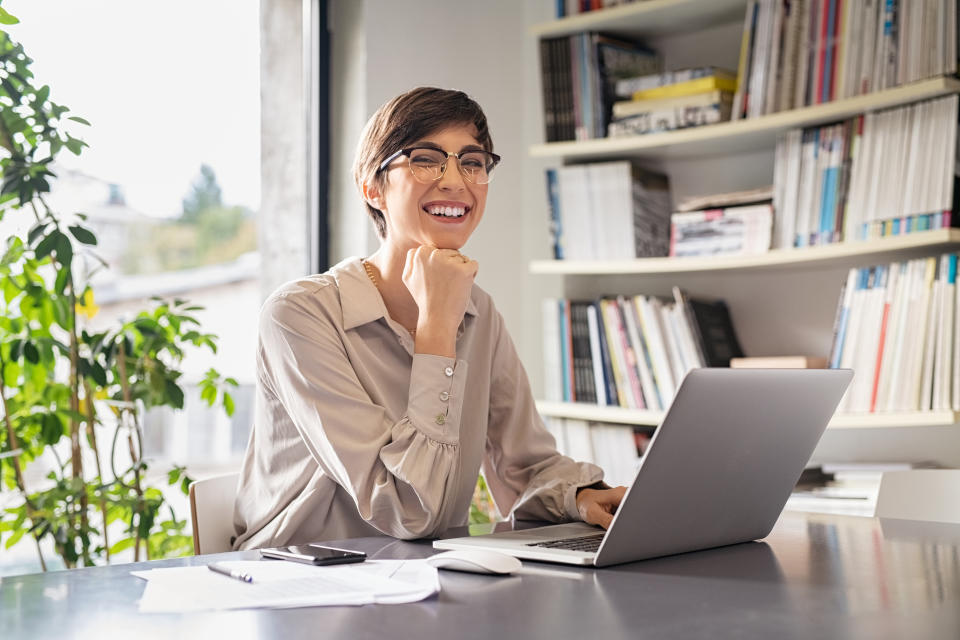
{"x":615,"y":448}
{"x":880,"y":174}
{"x":579,"y":73}
{"x":896,"y":326}
{"x":632,"y":352}
{"x":608,"y":210}
{"x":672,"y":100}
{"x":737,"y":223}
{"x":796,"y":53}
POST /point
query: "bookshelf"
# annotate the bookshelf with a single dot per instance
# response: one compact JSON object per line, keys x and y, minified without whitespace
{"x":765,"y":288}
{"x":645,"y":19}
{"x":844,"y":254}
{"x":618,"y":415}
{"x":751,"y":134}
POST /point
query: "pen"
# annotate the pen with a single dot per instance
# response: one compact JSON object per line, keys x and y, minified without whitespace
{"x":237,"y":575}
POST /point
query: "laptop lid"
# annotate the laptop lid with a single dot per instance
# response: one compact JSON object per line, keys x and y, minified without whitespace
{"x":718,"y":471}
{"x":722,"y":464}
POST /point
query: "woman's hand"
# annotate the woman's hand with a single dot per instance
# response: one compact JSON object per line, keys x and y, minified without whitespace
{"x":597,"y":506}
{"x":440,"y":281}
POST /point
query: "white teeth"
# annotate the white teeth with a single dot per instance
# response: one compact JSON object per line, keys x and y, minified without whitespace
{"x":449,"y":212}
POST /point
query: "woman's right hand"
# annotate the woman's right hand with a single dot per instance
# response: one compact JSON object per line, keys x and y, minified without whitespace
{"x":440,"y":281}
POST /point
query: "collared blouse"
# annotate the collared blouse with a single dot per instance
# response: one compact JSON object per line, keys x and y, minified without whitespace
{"x":356,"y":435}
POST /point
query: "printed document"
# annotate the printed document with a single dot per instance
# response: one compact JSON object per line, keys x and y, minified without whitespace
{"x":280,"y":584}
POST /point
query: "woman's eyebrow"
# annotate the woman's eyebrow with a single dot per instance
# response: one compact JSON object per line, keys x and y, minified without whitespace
{"x":434,"y":145}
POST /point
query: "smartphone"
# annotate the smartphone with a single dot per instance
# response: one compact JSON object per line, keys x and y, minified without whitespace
{"x":313,"y":554}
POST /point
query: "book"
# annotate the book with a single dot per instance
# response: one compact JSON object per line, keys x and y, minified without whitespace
{"x":722,"y":81}
{"x":629,"y":87}
{"x":716,"y":333}
{"x":578,"y":75}
{"x":671,"y":118}
{"x":898,"y":331}
{"x":875,"y":175}
{"x":732,"y":231}
{"x":552,"y":358}
{"x":632,"y":351}
{"x":796,"y":53}
{"x":759,"y":195}
{"x":609,"y":210}
{"x":779,"y":362}
{"x":626,"y":108}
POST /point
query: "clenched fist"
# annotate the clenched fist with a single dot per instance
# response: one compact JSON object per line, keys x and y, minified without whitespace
{"x":440,"y":281}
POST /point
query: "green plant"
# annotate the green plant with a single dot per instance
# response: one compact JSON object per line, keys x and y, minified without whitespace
{"x":63,"y":389}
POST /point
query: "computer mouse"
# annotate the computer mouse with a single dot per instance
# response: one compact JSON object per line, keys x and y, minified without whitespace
{"x":475,"y":561}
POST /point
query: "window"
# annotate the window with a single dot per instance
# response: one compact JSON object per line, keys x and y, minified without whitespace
{"x":170,"y":182}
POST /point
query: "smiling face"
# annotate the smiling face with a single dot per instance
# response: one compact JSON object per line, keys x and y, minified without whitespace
{"x":443,"y":213}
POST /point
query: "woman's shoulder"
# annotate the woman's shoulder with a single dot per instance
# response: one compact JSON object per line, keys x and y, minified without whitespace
{"x":317,"y":293}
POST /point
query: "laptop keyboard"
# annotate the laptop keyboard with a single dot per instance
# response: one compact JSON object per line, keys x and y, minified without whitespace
{"x":588,"y":543}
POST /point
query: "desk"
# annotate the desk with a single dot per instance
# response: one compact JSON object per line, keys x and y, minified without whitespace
{"x":815,"y":576}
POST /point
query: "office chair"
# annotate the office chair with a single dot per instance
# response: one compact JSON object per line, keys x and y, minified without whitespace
{"x":211,"y":511}
{"x":920,"y":494}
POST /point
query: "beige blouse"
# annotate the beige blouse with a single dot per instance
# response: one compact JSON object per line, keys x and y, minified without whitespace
{"x":356,"y":435}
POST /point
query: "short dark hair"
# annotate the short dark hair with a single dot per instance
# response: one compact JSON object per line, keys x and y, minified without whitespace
{"x":404,"y":120}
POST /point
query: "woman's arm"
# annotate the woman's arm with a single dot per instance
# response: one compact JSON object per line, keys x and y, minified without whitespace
{"x":399,"y":473}
{"x":526,"y":474}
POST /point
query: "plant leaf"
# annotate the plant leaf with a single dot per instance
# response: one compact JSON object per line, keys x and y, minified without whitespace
{"x":46,"y":245}
{"x":64,"y":250}
{"x":30,"y":352}
{"x":7,"y":18}
{"x":83,"y":235}
{"x":79,"y":119}
{"x":174,"y":393}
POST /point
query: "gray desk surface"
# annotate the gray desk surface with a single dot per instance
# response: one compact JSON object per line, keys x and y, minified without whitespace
{"x":815,"y":576}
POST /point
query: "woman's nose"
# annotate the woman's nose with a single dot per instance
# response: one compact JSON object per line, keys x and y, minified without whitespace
{"x":452,"y":179}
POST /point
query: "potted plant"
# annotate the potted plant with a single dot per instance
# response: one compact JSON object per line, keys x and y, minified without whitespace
{"x":68,"y":395}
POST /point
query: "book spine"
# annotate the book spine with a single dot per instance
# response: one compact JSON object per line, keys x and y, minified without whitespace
{"x":894,"y":273}
{"x":596,"y":357}
{"x":670,"y":119}
{"x":566,"y":337}
{"x":611,"y":393}
{"x":583,"y":366}
{"x":548,"y":92}
{"x":630,"y":357}
{"x":556,"y":219}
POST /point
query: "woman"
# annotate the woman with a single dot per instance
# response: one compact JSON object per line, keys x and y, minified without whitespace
{"x":384,"y":384}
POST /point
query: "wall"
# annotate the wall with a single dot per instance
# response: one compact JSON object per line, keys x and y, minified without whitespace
{"x":474,"y":47}
{"x":375,"y":56}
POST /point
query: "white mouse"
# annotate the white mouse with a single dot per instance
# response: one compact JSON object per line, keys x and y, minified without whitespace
{"x":475,"y":561}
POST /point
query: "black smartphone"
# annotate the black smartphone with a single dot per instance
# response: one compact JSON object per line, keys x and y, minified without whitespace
{"x":313,"y":554}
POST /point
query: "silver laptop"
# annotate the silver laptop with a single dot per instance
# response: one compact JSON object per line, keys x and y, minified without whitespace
{"x":718,"y":471}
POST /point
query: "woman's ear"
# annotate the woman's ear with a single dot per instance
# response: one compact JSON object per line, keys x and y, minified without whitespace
{"x":373,"y":196}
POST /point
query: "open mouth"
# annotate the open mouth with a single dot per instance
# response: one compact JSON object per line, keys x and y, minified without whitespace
{"x":447,"y":212}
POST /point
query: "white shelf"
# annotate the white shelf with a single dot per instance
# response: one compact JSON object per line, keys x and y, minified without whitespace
{"x":646,"y":18}
{"x":841,"y":254}
{"x":596,"y":413}
{"x":743,"y":135}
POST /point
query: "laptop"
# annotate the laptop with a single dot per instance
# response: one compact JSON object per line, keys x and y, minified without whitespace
{"x":718,"y":470}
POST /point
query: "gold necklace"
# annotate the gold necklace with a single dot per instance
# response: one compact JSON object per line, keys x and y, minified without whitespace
{"x":373,"y":278}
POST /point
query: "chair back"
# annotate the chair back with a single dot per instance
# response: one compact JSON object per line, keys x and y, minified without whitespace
{"x":211,"y":510}
{"x":920,"y":494}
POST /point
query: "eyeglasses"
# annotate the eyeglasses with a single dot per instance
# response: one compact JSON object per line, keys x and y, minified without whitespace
{"x":428,"y":164}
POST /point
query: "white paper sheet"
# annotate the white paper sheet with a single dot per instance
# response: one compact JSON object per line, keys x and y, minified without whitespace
{"x":280,"y":584}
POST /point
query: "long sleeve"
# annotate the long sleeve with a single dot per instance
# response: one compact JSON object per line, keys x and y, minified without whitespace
{"x":398,"y":472}
{"x":526,"y":474}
